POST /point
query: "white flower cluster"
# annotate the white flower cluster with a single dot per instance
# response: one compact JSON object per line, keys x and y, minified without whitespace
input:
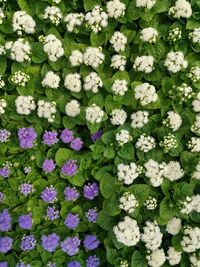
{"x":119,"y":87}
{"x":124,"y":263}
{"x":94,"y":114}
{"x":46,"y":110}
{"x":128,"y":202}
{"x":73,"y":82}
{"x":195,"y":36}
{"x":92,"y":82}
{"x":152,"y":236}
{"x":145,"y":143}
{"x":118,"y":62}
{"x":115,"y":9}
{"x":3,"y":105}
{"x":194,"y":74}
{"x":146,"y":93}
{"x":173,"y":171}
{"x":53,"y":47}
{"x":118,"y":117}
{"x":53,"y":14}
{"x":191,"y":239}
{"x":196,"y":125}
{"x":72,"y":108}
{"x":154,"y":171}
{"x":182,"y":8}
{"x":195,"y":260}
{"x":2,"y":15}
{"x":56,"y":1}
{"x":173,"y":226}
{"x":93,"y":57}
{"x":150,"y":203}
{"x":185,"y":92}
{"x":173,"y":121}
{"x":148,"y":4}
{"x":144,"y":64}
{"x":149,"y":35}
{"x":175,"y":62}
{"x":20,"y":50}
{"x":20,"y":78}
{"x":123,"y":137}
{"x":25,"y":105}
{"x":127,"y":173}
{"x":139,"y":119}
{"x":191,"y":204}
{"x":118,"y":41}
{"x":51,"y":80}
{"x":22,"y":22}
{"x":169,"y":142}
{"x":196,"y":103}
{"x":73,"y":21}
{"x":2,"y":83}
{"x":194,"y":144}
{"x":127,"y":232}
{"x":156,"y":258}
{"x":76,"y":58}
{"x":174,"y":34}
{"x":2,"y":50}
{"x":96,"y":19}
{"x":196,"y":173}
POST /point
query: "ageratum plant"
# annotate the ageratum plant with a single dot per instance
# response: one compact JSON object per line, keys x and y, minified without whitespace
{"x":100,"y":133}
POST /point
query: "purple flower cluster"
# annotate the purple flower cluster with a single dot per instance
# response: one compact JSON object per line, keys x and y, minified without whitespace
{"x":93,"y":261}
{"x":50,"y":138}
{"x":28,"y":243}
{"x":91,"y":242}
{"x":49,"y":194}
{"x":5,"y":221}
{"x":48,"y":165}
{"x":25,"y":221}
{"x":76,"y":144}
{"x":27,"y":137}
{"x":5,"y":244}
{"x":71,"y":194}
{"x":69,"y":168}
{"x":52,"y":213}
{"x":71,"y":245}
{"x":22,"y":264}
{"x":67,"y":137}
{"x":73,"y":263}
{"x":26,"y":189}
{"x":50,"y":242}
{"x":72,"y":220}
{"x":5,"y":171}
{"x":96,"y":136}
{"x":3,"y":264}
{"x":91,"y":215}
{"x":90,"y":191}
{"x":4,"y":135}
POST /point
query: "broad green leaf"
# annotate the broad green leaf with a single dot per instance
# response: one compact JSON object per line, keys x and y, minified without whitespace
{"x":107,"y":185}
{"x":138,"y":260}
{"x":62,"y":155}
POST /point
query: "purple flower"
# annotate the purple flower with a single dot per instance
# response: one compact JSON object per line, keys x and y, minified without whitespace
{"x":26,"y":189}
{"x":93,"y":261}
{"x":50,"y":138}
{"x":5,"y":171}
{"x":22,"y":264}
{"x":71,"y":245}
{"x":66,"y":136}
{"x":28,"y":243}
{"x":1,"y":196}
{"x":76,"y":144}
{"x":52,"y":213}
{"x":90,"y":191}
{"x":50,"y":242}
{"x":5,"y":221}
{"x":73,"y":264}
{"x":27,"y":169}
{"x":91,"y":215}
{"x":71,"y":194}
{"x":5,"y":244}
{"x":27,"y":137}
{"x":91,"y":242}
{"x":25,"y":221}
{"x":49,"y":194}
{"x":69,"y":168}
{"x":48,"y":165}
{"x":96,"y":136}
{"x":51,"y":264}
{"x":72,"y":220}
{"x":4,"y":136}
{"x":3,"y":264}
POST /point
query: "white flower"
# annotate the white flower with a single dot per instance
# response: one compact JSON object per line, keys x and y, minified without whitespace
{"x":144,"y":64}
{"x":185,"y":92}
{"x":145,"y":143}
{"x":92,"y":82}
{"x":174,"y":34}
{"x":96,"y":19}
{"x":169,"y":142}
{"x":73,"y":21}
{"x":93,"y":57}
{"x":76,"y":58}
{"x":195,"y":260}
{"x":124,"y":263}
{"x":123,"y":137}
{"x":139,"y":119}
{"x":196,"y":103}
{"x":182,"y":8}
{"x":145,"y":3}
{"x":2,"y":50}
{"x":46,"y":110}
{"x":128,"y":202}
{"x":175,"y":62}
{"x":115,"y":9}
{"x":56,"y":1}
{"x":94,"y":114}
{"x":20,"y":78}
{"x":72,"y":108}
{"x":118,"y":117}
{"x":20,"y":50}
{"x":2,"y":83}
{"x":118,"y":41}
{"x":194,"y":144}
{"x":173,"y":226}
{"x":173,"y":171}
{"x":196,"y":125}
{"x":174,"y":257}
{"x":196,"y":173}
{"x":195,"y":36}
{"x":25,"y":105}
{"x":152,"y":236}
{"x":22,"y":22}
{"x":191,"y":204}
{"x":191,"y":239}
{"x":146,"y":93}
{"x":127,"y":173}
{"x":2,"y":15}
{"x":73,"y":82}
{"x":120,"y":87}
{"x":148,"y":35}
{"x":154,"y":171}
{"x":194,"y":74}
{"x":156,"y":258}
{"x":127,"y":232}
{"x":53,"y":14}
{"x":173,"y":121}
{"x":51,"y":80}
{"x":150,"y":203}
{"x":118,"y":62}
{"x":53,"y":47}
{"x":3,"y":105}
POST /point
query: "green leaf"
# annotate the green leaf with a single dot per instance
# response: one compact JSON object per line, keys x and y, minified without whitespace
{"x":3,"y":65}
{"x":140,"y":191}
{"x":38,"y":54}
{"x":98,"y":39}
{"x":89,"y":4}
{"x":107,"y":185}
{"x":108,"y":138}
{"x":127,"y":152}
{"x":62,"y":155}
{"x":97,"y":99}
{"x":138,"y":260}
{"x":132,"y":12}
{"x":167,"y":209}
{"x":23,"y":4}
{"x":111,"y":254}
